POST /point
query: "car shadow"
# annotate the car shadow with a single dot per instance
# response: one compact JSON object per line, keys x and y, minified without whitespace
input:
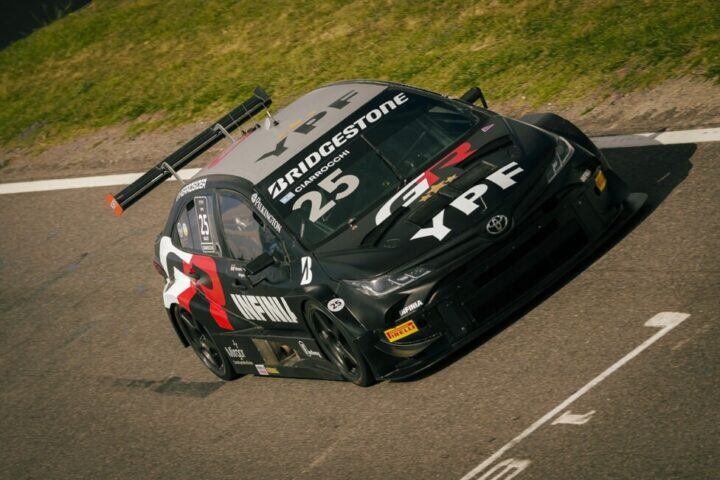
{"x":655,"y":170}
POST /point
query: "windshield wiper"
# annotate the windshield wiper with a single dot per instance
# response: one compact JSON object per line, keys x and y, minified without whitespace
{"x":390,"y":165}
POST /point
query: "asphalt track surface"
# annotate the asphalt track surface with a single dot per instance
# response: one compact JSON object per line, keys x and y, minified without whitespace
{"x":94,"y":384}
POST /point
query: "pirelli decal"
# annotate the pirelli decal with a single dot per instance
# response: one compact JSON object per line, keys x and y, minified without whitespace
{"x":264,"y":309}
{"x":401,"y":331}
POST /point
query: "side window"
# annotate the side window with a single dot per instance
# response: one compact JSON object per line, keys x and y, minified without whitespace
{"x":242,"y":232}
{"x":194,"y":227}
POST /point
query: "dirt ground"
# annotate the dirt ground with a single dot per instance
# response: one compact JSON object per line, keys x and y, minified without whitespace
{"x":684,"y":103}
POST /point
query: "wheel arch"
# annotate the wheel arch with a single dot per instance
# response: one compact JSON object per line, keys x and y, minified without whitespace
{"x":172,"y":315}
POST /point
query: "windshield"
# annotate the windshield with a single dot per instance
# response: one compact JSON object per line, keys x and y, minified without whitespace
{"x":346,"y":173}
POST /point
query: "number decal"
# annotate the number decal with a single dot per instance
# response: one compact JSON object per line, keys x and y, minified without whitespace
{"x":330,"y":184}
{"x":204,"y":224}
{"x":317,"y":209}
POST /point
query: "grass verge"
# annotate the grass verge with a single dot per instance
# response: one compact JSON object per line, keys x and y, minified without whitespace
{"x":158,"y":64}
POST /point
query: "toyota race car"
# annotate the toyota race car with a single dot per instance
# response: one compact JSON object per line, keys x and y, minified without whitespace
{"x":369,"y":229}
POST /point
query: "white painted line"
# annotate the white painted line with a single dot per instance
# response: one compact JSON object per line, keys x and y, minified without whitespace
{"x":615,"y":141}
{"x":569,"y":418}
{"x":658,"y":138}
{"x":666,"y":321}
{"x":82,"y":182}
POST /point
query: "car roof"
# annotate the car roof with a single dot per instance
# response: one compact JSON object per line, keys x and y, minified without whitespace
{"x":247,"y":158}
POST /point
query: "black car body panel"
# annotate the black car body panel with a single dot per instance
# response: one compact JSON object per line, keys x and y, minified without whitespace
{"x":411,"y":267}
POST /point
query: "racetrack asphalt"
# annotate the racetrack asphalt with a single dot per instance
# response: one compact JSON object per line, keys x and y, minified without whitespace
{"x":94,"y":383}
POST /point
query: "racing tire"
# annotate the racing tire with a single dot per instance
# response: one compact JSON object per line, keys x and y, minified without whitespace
{"x":338,"y":346}
{"x":202,"y":343}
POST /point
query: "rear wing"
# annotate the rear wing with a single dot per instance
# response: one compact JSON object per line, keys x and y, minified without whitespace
{"x":188,"y":152}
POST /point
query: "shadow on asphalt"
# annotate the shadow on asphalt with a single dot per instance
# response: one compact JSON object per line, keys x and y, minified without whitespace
{"x":655,"y":170}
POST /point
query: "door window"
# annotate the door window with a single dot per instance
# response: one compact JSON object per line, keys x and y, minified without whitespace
{"x":245,"y":236}
{"x":242,"y":231}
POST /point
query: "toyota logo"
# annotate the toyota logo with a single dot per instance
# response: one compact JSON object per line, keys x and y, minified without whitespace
{"x":496,"y":224}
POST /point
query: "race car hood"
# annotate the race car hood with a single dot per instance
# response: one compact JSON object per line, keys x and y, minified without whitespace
{"x":486,"y":175}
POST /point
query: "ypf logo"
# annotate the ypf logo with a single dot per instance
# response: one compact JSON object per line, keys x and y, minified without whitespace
{"x":496,"y":225}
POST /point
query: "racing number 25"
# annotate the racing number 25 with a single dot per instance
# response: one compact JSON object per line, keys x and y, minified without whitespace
{"x":329,"y":184}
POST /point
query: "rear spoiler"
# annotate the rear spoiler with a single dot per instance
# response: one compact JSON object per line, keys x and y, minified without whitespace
{"x":188,"y":152}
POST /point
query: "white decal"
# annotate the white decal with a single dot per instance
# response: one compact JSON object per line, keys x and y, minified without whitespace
{"x":264,"y":309}
{"x":307,"y":275}
{"x":409,"y":194}
{"x":329,"y":184}
{"x":504,"y":179}
{"x":178,"y":282}
{"x":336,"y":304}
{"x":261,"y":369}
{"x":467,"y":201}
{"x":570,"y":418}
{"x":265,"y":213}
{"x":237,"y":355}
{"x":438,"y":230}
{"x":327,"y":148}
{"x":237,"y":269}
{"x":411,"y":308}
{"x":470,"y":200}
{"x":307,"y":351}
{"x":191,"y":187}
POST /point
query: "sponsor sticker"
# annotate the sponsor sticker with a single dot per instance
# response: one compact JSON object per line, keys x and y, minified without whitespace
{"x":411,"y":308}
{"x":191,"y":187}
{"x":600,"y":180}
{"x":265,"y":213}
{"x":401,"y":331}
{"x":264,"y":309}
{"x":307,"y":275}
{"x":237,"y":355}
{"x":336,"y":304}
{"x":470,"y":200}
{"x":237,"y":270}
{"x":261,"y":369}
{"x":207,"y":242}
{"x":272,"y":370}
{"x":308,"y":351}
{"x":330,"y":147}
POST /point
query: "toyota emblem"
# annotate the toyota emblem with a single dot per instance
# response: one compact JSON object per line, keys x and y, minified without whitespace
{"x":497,"y":224}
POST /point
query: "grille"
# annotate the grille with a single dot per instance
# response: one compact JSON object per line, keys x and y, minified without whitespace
{"x":493,"y":279}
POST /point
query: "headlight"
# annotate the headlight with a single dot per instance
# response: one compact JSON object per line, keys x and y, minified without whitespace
{"x":381,"y":286}
{"x":563,"y":152}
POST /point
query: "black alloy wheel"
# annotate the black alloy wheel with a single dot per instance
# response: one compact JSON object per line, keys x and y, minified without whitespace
{"x":204,"y":346}
{"x":338,"y":347}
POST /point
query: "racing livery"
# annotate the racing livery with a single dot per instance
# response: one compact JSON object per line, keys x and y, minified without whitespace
{"x":369,"y":229}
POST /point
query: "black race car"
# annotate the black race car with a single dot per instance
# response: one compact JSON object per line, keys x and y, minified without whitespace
{"x":369,"y":229}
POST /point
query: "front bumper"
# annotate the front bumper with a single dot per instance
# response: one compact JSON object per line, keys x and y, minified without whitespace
{"x":542,"y":246}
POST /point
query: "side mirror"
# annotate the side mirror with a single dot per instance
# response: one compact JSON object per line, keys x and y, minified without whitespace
{"x":260,"y":263}
{"x":473,"y":95}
